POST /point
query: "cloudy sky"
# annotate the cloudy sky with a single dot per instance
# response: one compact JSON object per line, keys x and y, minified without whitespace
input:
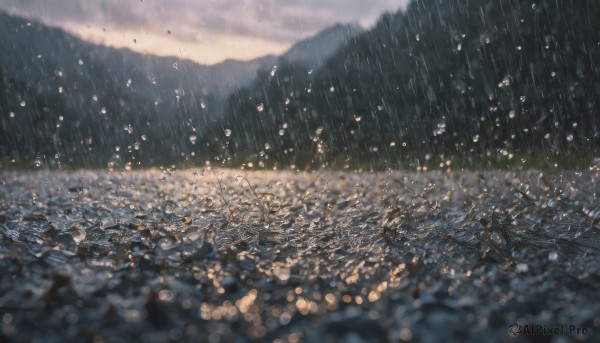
{"x":207,"y":31}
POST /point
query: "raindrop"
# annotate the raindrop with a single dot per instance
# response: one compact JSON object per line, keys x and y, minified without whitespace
{"x":392,"y":144}
{"x":332,"y":89}
{"x":522,"y":267}
{"x":227,"y":132}
{"x":12,"y":114}
{"x":23,"y":103}
{"x":319,"y":131}
{"x":193,"y":139}
{"x":80,"y":62}
{"x":522,"y":98}
{"x":267,"y":146}
{"x":281,"y":132}
{"x":144,"y":137}
{"x":103,"y":110}
{"x":475,"y":138}
{"x":511,"y":114}
{"x":273,"y":71}
{"x":129,"y":82}
{"x":202,"y":104}
{"x":553,"y":256}
{"x":175,"y":65}
{"x":287,"y":101}
{"x":260,"y":107}
{"x":569,"y":137}
{"x":357,"y":118}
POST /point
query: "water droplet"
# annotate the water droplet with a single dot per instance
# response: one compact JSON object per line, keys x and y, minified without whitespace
{"x":522,"y":98}
{"x":267,"y":146}
{"x":475,"y":138}
{"x":569,"y":137}
{"x":357,"y":118}
{"x":281,"y":132}
{"x":273,"y":71}
{"x":144,"y":137}
{"x":103,"y":110}
{"x":202,"y":104}
{"x":511,"y":114}
{"x":12,"y":114}
{"x":522,"y":267}
{"x":553,"y":256}
{"x":80,"y":62}
{"x":193,"y":139}
{"x":332,"y":89}
{"x":392,"y":144}
{"x":129,"y":82}
{"x":154,"y":81}
{"x":319,"y":131}
{"x":60,"y":90}
{"x":117,"y":148}
{"x":227,"y":132}
{"x":23,"y":103}
{"x":260,"y":107}
{"x":94,"y":97}
{"x":287,"y":101}
{"x":175,"y":65}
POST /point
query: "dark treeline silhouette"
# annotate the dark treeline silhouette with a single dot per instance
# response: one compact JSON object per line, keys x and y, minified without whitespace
{"x":478,"y":80}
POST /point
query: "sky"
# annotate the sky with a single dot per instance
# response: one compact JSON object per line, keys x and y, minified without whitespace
{"x":206,"y":31}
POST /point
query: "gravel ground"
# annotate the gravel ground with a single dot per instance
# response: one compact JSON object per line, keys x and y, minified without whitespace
{"x":226,"y":255}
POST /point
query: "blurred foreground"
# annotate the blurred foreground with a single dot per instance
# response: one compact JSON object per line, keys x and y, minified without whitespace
{"x":199,"y":255}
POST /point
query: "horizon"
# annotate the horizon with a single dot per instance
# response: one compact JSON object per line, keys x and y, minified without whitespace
{"x":205,"y":35}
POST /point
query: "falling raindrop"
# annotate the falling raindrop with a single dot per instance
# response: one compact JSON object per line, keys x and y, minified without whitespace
{"x":227,"y":132}
{"x":475,"y":138}
{"x":193,"y":139}
{"x":569,"y":137}
{"x":260,"y":107}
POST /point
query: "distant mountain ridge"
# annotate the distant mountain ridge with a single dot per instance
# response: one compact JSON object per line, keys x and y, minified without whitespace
{"x":100,"y":90}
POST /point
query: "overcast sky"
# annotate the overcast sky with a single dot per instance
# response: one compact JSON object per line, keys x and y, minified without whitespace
{"x":207,"y":31}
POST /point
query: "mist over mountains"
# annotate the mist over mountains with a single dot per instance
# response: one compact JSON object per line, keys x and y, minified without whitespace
{"x":482,"y":81}
{"x":61,"y":96}
{"x":477,"y":81}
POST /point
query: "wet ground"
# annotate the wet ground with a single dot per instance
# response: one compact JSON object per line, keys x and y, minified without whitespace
{"x":210,"y":256}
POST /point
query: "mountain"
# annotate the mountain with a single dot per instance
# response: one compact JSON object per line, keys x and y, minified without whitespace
{"x":62,"y":96}
{"x":314,"y":51}
{"x":482,"y":81}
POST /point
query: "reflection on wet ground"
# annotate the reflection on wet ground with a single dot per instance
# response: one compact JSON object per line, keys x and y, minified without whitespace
{"x":199,"y":255}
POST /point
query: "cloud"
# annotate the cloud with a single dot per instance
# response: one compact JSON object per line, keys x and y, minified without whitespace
{"x":272,"y":23}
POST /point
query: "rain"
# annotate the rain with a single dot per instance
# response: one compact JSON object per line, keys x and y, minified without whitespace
{"x":334,"y":171}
